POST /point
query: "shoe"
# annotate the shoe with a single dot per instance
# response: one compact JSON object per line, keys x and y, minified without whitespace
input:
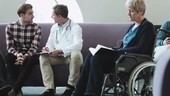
{"x":49,"y":92}
{"x":4,"y":90}
{"x":69,"y":90}
{"x":12,"y":93}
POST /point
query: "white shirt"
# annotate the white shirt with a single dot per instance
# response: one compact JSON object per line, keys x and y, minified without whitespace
{"x":67,"y":37}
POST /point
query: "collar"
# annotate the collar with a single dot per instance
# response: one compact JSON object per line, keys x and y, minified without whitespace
{"x":65,"y":24}
{"x":18,"y":23}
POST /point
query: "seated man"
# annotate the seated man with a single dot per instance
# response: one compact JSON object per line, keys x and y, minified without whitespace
{"x":22,"y":39}
{"x":63,"y":47}
{"x":139,"y":39}
{"x":162,"y":41}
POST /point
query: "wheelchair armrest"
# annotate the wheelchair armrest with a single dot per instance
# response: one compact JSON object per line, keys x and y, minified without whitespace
{"x":133,"y":56}
{"x":138,"y":55}
{"x":127,"y":61}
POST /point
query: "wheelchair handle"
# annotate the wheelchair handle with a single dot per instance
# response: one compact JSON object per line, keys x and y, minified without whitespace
{"x":165,"y":31}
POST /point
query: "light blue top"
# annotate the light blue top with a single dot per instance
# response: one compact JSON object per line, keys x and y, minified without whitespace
{"x":130,"y":34}
{"x":161,"y":35}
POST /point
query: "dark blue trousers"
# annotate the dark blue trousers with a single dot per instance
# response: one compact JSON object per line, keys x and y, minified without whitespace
{"x":92,"y":75}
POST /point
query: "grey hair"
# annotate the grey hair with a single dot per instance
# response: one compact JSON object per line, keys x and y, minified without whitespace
{"x":136,"y":5}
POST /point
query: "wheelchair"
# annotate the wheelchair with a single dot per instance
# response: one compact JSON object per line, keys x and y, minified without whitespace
{"x":132,"y":75}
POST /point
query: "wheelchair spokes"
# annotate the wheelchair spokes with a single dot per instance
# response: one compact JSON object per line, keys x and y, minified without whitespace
{"x":140,"y":82}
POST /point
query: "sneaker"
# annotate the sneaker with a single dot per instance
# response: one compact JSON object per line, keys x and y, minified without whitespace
{"x":4,"y":90}
{"x":49,"y":92}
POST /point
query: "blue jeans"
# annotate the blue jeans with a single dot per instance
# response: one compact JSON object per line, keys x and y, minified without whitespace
{"x":91,"y":79}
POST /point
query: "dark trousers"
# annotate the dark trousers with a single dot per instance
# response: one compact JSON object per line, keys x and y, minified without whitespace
{"x":3,"y":71}
{"x":92,"y":75}
{"x":18,"y":74}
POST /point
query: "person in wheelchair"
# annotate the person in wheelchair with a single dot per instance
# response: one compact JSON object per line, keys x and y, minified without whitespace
{"x":162,"y":40}
{"x":139,"y":39}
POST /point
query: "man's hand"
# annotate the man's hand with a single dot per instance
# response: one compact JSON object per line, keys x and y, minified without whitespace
{"x":20,"y":59}
{"x":166,"y":41}
{"x":56,"y":53}
{"x":45,"y":49}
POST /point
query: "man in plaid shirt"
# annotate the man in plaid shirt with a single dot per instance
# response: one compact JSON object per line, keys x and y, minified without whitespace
{"x":22,"y":39}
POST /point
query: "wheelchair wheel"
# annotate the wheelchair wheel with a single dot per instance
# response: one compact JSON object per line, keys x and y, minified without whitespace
{"x":141,"y":79}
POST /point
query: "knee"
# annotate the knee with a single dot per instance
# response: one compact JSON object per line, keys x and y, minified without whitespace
{"x":77,"y":55}
{"x":97,"y":60}
{"x":43,"y":58}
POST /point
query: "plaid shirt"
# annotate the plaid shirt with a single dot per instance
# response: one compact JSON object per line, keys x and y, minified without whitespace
{"x":23,"y":38}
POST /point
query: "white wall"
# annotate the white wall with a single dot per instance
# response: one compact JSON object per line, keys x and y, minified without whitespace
{"x":8,"y":11}
{"x":98,"y":10}
{"x":158,"y":10}
{"x":114,"y":10}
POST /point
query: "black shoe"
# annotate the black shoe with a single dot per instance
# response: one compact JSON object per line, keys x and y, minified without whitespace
{"x":12,"y":93}
{"x":4,"y":90}
{"x":69,"y":90}
{"x":49,"y":92}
